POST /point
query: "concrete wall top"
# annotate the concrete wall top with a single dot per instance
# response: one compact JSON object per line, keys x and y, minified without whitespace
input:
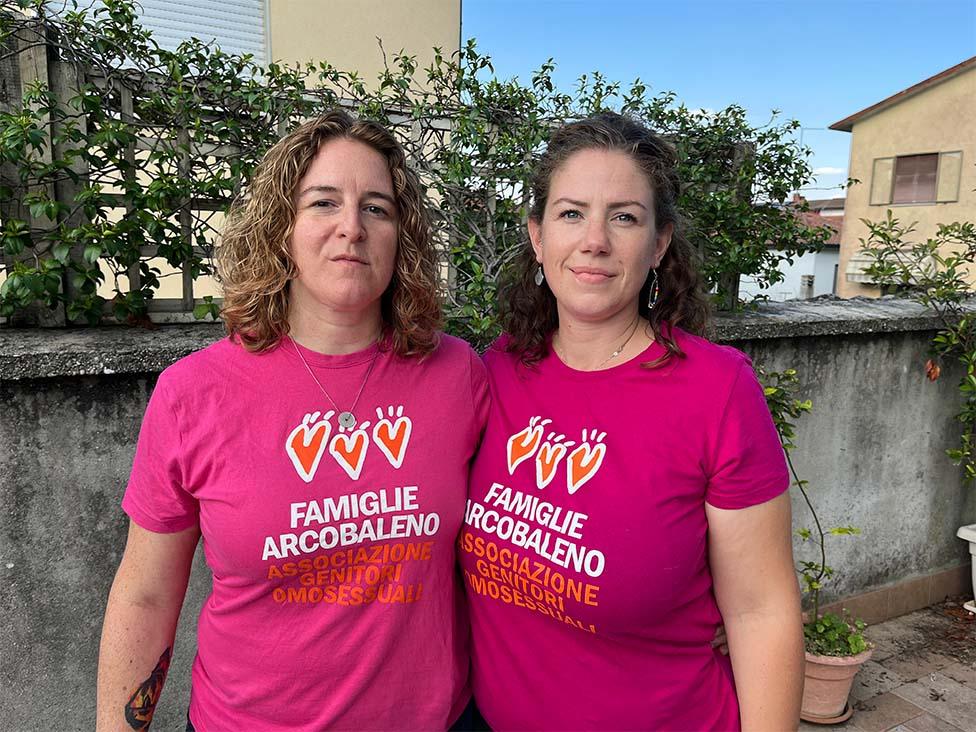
{"x":45,"y":353}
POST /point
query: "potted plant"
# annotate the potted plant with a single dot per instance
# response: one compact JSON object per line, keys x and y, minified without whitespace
{"x":835,"y":646}
{"x":835,"y":651}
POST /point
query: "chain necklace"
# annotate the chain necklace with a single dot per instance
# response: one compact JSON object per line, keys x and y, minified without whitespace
{"x":346,"y":417}
{"x":632,"y":328}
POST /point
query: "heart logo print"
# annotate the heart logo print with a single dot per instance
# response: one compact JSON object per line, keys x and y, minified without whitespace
{"x":306,"y":444}
{"x":349,"y":450}
{"x":584,"y":461}
{"x":546,"y":462}
{"x":392,"y":439}
{"x":522,"y":445}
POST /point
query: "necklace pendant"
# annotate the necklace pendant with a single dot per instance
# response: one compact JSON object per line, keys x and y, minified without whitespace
{"x":347,"y":420}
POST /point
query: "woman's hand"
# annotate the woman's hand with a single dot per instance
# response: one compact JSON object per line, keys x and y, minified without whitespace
{"x":721,"y":641}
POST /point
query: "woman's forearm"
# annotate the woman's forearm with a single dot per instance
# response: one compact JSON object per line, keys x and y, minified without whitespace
{"x":140,"y":623}
{"x":751,"y":558}
{"x":767,"y":659}
{"x":136,"y":648}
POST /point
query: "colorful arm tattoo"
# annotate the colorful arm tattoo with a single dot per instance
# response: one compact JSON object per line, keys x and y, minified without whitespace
{"x":140,"y":708}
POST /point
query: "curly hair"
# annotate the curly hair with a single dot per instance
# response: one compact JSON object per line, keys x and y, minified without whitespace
{"x":255,"y":262}
{"x":529,"y":313}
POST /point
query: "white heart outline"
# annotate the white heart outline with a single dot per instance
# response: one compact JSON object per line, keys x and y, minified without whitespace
{"x":352,"y":471}
{"x":534,"y":431}
{"x":600,"y":449}
{"x":394,"y":428}
{"x":309,"y":432}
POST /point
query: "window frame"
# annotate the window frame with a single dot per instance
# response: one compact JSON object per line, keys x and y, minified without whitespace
{"x":882,"y":189}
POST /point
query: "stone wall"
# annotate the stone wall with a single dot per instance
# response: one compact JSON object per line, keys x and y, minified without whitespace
{"x":873,"y":450}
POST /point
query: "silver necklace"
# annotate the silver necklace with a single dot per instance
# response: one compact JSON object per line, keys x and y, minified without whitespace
{"x":346,"y":417}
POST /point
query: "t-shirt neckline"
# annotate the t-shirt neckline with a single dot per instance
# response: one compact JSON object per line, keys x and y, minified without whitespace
{"x":292,"y":348}
{"x":554,"y":363}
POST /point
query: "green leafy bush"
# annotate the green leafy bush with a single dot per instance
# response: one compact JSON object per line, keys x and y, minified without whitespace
{"x":90,"y":178}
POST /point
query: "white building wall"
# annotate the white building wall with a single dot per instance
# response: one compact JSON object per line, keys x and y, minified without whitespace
{"x":820,"y":264}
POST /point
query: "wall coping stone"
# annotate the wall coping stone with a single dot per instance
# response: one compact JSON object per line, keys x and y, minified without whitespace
{"x":34,"y":353}
{"x":828,"y":315}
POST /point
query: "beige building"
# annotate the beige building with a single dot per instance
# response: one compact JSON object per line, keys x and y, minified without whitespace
{"x":914,"y":154}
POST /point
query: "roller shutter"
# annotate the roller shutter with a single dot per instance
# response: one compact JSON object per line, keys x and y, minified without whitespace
{"x":237,"y":26}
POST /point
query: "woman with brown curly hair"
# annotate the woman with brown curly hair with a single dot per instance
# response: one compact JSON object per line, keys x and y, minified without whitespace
{"x":629,"y":493}
{"x":322,"y":451}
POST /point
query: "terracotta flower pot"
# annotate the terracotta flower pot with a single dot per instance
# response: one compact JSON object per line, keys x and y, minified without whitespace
{"x":828,"y":684}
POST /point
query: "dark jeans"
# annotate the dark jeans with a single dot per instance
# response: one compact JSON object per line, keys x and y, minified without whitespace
{"x":469,"y":721}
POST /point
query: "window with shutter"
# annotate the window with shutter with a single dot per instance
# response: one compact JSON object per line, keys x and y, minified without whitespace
{"x":915,"y":177}
{"x":906,"y":179}
{"x":237,"y":26}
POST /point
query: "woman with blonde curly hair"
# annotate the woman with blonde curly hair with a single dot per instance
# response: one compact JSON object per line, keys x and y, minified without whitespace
{"x":307,"y":451}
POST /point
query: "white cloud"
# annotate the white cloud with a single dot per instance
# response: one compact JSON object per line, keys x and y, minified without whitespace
{"x":828,"y":170}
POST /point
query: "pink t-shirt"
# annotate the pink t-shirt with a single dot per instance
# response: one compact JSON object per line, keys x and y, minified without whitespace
{"x":336,"y":602}
{"x":585,"y":547}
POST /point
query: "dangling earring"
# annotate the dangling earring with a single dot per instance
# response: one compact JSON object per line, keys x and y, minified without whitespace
{"x":652,"y":293}
{"x":539,"y":277}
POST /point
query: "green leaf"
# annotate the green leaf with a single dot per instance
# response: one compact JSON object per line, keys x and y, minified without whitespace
{"x":61,"y":251}
{"x":92,"y":252}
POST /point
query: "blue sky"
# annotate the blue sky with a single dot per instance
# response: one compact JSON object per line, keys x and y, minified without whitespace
{"x":817,"y":62}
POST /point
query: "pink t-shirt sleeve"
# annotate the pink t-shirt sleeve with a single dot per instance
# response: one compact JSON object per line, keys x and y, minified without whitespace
{"x":156,"y":498}
{"x":747,"y":465}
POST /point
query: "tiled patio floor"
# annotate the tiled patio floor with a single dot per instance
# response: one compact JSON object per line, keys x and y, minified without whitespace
{"x":921,"y":678}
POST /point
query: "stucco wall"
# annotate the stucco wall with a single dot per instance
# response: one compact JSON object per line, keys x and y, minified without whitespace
{"x":67,"y":443}
{"x":939,"y":119}
{"x":873,"y":451}
{"x":73,"y":401}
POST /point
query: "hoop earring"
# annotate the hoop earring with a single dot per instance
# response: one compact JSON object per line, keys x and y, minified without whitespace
{"x":653,"y":292}
{"x":540,"y":277}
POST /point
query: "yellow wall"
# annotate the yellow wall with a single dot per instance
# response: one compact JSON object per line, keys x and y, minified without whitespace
{"x":344,"y":32}
{"x":939,"y":119}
